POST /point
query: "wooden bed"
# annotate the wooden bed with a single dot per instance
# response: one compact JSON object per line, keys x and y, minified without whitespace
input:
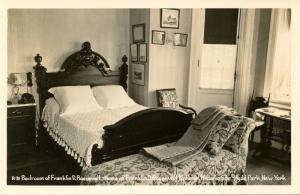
{"x":144,"y":128}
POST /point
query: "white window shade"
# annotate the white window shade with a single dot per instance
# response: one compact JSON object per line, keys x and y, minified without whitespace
{"x":217,"y":66}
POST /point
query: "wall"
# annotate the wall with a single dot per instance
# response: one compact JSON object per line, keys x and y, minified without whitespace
{"x":139,"y":92}
{"x":55,"y":34}
{"x":169,"y":64}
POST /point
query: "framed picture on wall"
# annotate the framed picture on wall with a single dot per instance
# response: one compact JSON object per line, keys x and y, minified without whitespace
{"x":138,"y":74}
{"x":138,"y":33}
{"x":142,"y":52}
{"x":158,"y":37}
{"x":180,"y":39}
{"x":169,"y":18}
{"x":134,"y":52}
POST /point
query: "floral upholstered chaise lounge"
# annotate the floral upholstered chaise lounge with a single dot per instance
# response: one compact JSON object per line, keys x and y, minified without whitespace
{"x":227,"y":166}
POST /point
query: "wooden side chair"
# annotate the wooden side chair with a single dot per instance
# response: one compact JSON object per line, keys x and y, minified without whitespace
{"x":256,"y":103}
{"x":168,"y":98}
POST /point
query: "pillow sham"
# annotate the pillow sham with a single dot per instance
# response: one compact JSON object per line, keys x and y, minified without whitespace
{"x":112,"y":96}
{"x":74,"y":99}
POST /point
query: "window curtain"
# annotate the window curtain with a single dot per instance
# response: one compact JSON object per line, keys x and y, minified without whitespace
{"x":244,"y":69}
{"x":278,"y":67}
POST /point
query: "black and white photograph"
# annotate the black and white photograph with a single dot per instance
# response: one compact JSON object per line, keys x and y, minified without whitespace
{"x":138,"y":74}
{"x":95,"y":97}
{"x":134,"y":52}
{"x":138,"y":33}
{"x":180,"y":39}
{"x":169,"y":18}
{"x":143,"y":52}
{"x":158,"y":37}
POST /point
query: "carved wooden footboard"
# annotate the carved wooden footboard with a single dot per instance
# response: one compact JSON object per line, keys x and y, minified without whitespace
{"x":144,"y":128}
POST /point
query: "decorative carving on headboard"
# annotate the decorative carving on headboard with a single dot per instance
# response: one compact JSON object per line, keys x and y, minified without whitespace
{"x":39,"y":69}
{"x":85,"y":57}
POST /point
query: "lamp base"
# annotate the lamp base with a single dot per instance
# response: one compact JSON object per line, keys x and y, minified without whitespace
{"x":15,"y":100}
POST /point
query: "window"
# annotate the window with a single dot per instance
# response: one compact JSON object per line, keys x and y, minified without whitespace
{"x":217,"y":66}
{"x":220,"y":26}
{"x":219,"y":49}
{"x":278,"y":70}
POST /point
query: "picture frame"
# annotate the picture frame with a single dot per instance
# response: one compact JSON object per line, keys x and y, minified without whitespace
{"x":138,"y":33}
{"x":134,"y":52}
{"x":169,"y":18}
{"x":138,"y":74}
{"x":180,"y":39}
{"x":142,"y":52}
{"x":169,"y":38}
{"x":158,"y":37}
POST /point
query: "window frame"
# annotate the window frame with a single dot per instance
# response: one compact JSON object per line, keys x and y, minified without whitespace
{"x":221,"y":90}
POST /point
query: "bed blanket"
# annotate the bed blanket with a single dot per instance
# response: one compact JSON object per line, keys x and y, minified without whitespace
{"x":195,"y":138}
{"x":77,"y":133}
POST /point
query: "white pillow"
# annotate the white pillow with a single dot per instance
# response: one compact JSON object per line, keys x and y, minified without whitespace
{"x":112,"y":96}
{"x":75,"y":99}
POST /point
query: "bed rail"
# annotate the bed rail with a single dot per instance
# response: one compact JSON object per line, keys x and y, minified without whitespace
{"x":142,"y":129}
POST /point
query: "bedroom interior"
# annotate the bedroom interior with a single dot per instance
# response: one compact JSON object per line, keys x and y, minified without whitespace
{"x":85,"y":96}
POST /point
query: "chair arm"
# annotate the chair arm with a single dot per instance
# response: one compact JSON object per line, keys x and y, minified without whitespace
{"x":188,"y":108}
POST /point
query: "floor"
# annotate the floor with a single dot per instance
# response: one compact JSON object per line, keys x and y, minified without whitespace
{"x":37,"y":168}
{"x":41,"y":169}
{"x":269,"y":171}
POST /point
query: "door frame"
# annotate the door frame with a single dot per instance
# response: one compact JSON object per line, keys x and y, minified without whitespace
{"x":197,"y":36}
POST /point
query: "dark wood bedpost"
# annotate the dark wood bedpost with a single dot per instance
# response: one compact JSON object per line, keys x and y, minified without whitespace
{"x":39,"y":72}
{"x":124,"y":73}
{"x":39,"y":69}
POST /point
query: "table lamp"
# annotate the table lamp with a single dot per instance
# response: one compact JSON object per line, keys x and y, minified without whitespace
{"x":17,"y":79}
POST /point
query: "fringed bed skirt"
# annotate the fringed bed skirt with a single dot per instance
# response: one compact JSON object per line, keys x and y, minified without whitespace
{"x":84,"y":162}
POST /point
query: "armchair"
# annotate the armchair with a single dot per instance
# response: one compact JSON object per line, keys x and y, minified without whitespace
{"x":168,"y":98}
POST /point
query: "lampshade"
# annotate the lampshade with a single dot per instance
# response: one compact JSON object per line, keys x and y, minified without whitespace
{"x":17,"y":78}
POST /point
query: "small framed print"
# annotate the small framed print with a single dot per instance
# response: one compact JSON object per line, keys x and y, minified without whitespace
{"x":158,"y":37}
{"x":134,"y":52}
{"x":169,"y":18}
{"x":180,"y":39}
{"x":142,"y":52}
{"x":138,"y":74}
{"x":138,"y":33}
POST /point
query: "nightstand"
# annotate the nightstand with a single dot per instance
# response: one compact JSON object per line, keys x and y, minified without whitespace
{"x":20,"y":131}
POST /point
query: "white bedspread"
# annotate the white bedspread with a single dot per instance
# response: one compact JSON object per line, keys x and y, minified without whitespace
{"x":50,"y":114}
{"x":79,"y":132}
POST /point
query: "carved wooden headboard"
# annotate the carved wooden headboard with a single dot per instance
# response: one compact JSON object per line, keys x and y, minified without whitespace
{"x":84,"y":67}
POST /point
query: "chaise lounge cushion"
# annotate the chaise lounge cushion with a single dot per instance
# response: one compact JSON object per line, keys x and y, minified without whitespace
{"x":224,"y":131}
{"x":234,"y":143}
{"x":139,"y":169}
